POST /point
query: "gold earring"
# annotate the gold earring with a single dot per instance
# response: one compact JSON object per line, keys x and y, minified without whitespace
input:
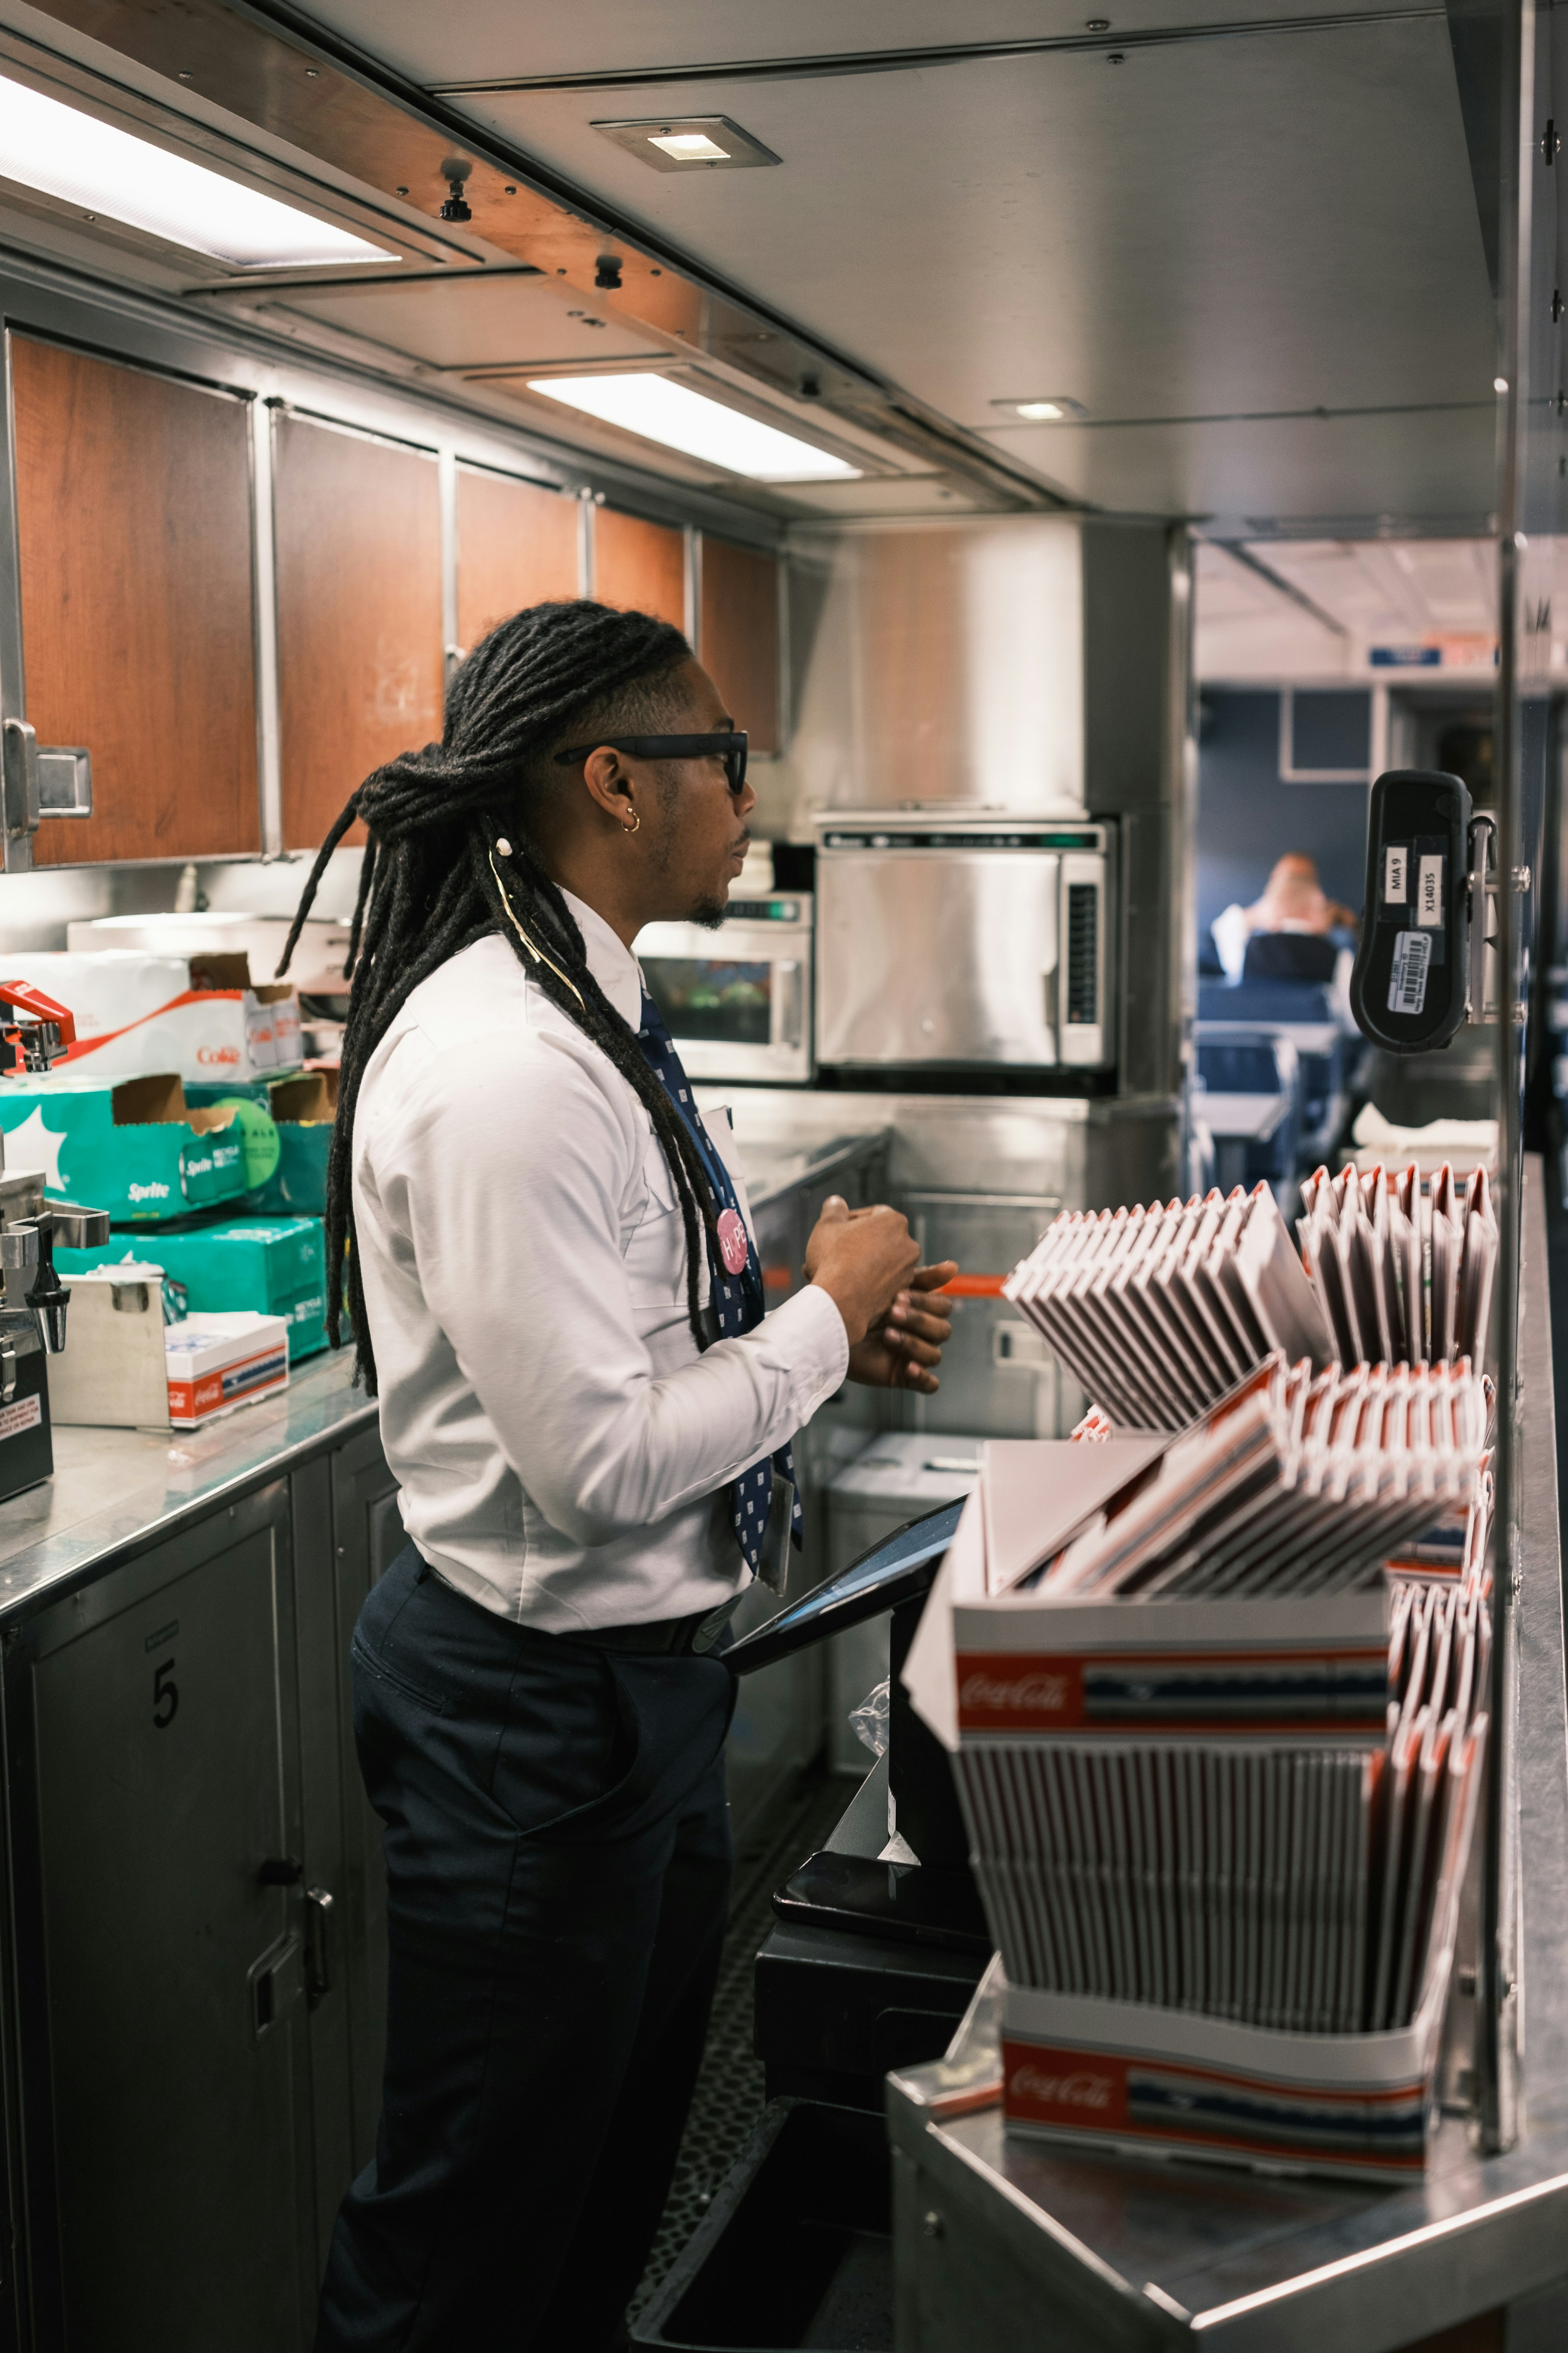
{"x":636,"y":823}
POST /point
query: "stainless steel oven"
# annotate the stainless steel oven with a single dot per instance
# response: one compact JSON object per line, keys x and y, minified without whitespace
{"x":738,"y":999}
{"x":965,"y":939}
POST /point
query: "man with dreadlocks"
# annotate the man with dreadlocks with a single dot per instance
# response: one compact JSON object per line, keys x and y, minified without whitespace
{"x":555,"y":1292}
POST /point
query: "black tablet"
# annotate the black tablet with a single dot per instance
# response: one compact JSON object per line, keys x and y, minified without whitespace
{"x":895,"y":1570}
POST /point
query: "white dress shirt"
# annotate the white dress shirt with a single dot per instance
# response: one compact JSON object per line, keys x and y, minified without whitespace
{"x":562,"y":1447}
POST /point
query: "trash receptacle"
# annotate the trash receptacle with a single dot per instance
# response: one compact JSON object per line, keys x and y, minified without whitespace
{"x":796,"y":2248}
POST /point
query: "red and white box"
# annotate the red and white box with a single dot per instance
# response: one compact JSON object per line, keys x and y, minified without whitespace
{"x":1180,"y":1815}
{"x":201,"y":1017}
{"x":1117,"y":2076}
{"x":219,"y":1363}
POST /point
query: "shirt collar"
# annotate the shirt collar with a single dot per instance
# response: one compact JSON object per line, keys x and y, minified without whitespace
{"x":610,"y":960}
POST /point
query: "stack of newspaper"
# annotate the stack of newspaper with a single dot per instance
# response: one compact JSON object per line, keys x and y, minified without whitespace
{"x":1296,"y":1482}
{"x":1158,"y":1312}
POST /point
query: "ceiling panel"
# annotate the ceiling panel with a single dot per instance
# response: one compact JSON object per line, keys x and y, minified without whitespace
{"x":1250,"y":224}
{"x":474,"y":323}
{"x":1352,"y":472}
{"x":1388,"y":590}
{"x":489,"y":39}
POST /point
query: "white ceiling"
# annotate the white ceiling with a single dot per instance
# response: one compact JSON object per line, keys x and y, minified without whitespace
{"x":492,"y":39}
{"x":1254,"y":259}
{"x":1350,"y":596}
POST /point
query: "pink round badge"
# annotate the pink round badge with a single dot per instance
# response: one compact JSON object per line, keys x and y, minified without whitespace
{"x":731,"y":1241}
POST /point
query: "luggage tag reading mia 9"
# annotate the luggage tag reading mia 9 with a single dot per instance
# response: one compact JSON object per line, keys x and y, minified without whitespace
{"x":1410,"y":988}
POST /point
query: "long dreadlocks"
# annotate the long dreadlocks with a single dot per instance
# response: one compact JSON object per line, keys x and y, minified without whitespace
{"x":434,"y":881}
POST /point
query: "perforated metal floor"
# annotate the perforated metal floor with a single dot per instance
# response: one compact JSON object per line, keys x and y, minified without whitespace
{"x":728,"y":2095}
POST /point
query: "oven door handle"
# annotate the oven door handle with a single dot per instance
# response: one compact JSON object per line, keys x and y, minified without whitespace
{"x":791,"y":974}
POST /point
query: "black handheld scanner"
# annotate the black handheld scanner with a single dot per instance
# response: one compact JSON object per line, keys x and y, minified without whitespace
{"x":1411,"y":986}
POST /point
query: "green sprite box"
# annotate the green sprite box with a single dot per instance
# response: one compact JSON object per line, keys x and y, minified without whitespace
{"x":272,"y":1266}
{"x":137,"y":1149}
{"x":291,"y":1175}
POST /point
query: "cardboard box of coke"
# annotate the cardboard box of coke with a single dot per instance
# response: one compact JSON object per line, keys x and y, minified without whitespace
{"x":138,"y":1149}
{"x":293,"y":1182}
{"x":218,"y":1363}
{"x":198,"y":1016}
{"x":272,"y":1266}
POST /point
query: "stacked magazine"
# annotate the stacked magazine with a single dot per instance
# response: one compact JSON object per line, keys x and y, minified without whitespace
{"x":1158,"y":1312}
{"x":1297,"y":1483}
{"x":1403,"y":1279}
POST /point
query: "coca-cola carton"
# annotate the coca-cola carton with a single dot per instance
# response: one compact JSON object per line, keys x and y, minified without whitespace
{"x":1220,"y":1867}
{"x":1117,"y":2075}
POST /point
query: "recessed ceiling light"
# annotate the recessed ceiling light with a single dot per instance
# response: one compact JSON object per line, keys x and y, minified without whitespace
{"x":90,"y":164}
{"x":689,"y":143}
{"x":1044,"y":408}
{"x":689,"y":146}
{"x":688,"y":421}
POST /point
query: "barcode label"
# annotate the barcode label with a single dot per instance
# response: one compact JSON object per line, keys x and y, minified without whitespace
{"x":1395,"y":875}
{"x":1407,"y":981}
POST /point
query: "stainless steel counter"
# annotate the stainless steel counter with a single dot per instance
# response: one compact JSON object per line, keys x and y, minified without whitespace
{"x":1009,"y":2243}
{"x":115,"y":1492}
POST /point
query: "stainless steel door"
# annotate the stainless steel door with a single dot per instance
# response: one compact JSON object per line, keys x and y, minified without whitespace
{"x":171,"y":1963}
{"x":937,"y":956}
{"x":998,"y":1377}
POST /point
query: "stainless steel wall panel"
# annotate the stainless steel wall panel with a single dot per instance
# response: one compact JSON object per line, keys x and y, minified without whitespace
{"x":938,"y":663}
{"x":997,"y":1380}
{"x":1089,"y":1154}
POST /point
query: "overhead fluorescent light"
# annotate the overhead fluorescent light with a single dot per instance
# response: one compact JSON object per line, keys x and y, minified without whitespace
{"x":1044,"y":408}
{"x":689,"y":143}
{"x":686,"y":420}
{"x":108,"y":173}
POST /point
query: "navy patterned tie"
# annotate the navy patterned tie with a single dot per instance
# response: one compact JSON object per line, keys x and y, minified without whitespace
{"x":737,"y":1299}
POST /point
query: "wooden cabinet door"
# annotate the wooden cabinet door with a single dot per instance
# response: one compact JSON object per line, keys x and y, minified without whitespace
{"x":134,"y":529}
{"x":738,"y":635}
{"x":639,"y":566}
{"x":517,"y":545}
{"x":358,"y":526}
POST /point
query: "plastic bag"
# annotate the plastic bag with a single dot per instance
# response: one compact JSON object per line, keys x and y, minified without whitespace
{"x":871,"y":1720}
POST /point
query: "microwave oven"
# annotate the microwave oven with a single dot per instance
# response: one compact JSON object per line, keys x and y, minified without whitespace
{"x":738,"y":999}
{"x":969,"y":940}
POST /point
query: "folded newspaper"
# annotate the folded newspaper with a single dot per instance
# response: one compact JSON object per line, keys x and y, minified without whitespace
{"x":1158,"y":1312}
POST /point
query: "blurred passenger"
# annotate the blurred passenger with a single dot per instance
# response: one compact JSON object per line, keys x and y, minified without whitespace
{"x":1294,"y":908}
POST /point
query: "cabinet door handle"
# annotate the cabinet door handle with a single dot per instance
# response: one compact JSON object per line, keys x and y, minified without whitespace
{"x":318,"y":1944}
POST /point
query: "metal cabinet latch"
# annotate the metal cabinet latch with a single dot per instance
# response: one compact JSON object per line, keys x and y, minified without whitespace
{"x":277,"y":1985}
{"x":317,"y":1948}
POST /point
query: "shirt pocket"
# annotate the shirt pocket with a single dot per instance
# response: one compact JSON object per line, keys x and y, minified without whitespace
{"x":654,"y":1241}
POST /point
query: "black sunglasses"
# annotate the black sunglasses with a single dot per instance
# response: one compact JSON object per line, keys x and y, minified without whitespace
{"x":730,"y":748}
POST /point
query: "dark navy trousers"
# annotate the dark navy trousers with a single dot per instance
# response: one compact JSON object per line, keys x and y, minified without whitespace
{"x":558,"y":1867}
